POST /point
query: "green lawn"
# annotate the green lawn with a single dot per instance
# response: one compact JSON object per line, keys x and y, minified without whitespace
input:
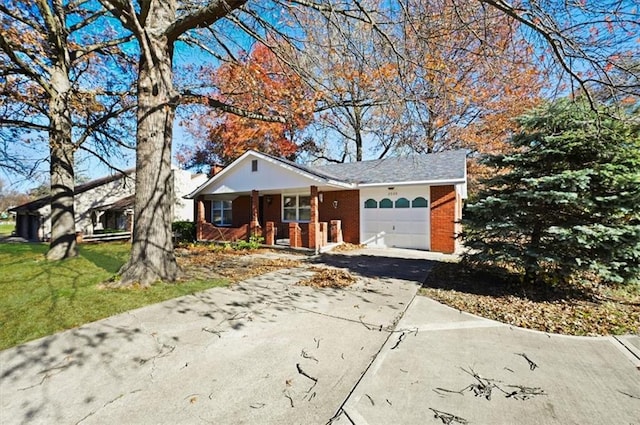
{"x":6,"y":228}
{"x":40,"y":297}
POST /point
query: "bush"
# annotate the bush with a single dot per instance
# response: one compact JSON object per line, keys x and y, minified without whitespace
{"x":184,"y":231}
{"x":254,"y":243}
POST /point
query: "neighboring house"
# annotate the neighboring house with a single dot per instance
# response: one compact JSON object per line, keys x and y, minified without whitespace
{"x":102,"y":205}
{"x":408,"y":202}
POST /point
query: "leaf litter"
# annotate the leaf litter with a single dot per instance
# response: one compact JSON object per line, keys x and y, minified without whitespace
{"x":569,"y":311}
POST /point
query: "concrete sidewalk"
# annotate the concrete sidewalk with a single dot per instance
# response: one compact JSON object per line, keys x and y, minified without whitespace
{"x":268,"y":351}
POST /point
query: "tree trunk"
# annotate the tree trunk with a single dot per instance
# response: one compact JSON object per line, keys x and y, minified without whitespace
{"x":63,"y":231}
{"x":531,"y":264}
{"x":357,"y":119}
{"x":152,"y":258}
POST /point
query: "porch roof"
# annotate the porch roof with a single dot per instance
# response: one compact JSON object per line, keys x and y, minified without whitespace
{"x":119,"y":205}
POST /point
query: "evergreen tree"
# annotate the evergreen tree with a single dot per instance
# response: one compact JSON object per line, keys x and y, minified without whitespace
{"x":566,"y":204}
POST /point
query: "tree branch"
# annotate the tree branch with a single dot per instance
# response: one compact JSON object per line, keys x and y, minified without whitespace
{"x":24,"y":68}
{"x":203,"y":17}
{"x":189,"y":97}
{"x":4,"y":122}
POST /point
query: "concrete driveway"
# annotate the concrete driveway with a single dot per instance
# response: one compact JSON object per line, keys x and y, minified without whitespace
{"x":268,"y":351}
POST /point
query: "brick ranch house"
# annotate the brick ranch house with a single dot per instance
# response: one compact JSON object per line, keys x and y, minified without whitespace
{"x":405,"y":202}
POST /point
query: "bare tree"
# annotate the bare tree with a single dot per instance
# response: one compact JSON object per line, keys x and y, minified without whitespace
{"x":589,"y":41}
{"x":220,"y":28}
{"x":47,"y":63}
{"x":426,"y":85}
{"x":157,"y":25}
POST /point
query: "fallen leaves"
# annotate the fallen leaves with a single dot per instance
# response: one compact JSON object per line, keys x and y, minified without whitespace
{"x":345,"y":247}
{"x":328,"y":278}
{"x":569,"y":313}
{"x":202,"y":262}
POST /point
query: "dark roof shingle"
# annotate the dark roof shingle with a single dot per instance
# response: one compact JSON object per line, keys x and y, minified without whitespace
{"x":441,"y":166}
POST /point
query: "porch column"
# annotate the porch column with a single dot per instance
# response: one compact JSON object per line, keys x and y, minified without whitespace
{"x":270,"y":234}
{"x":314,"y":240}
{"x":295,"y":235}
{"x":336,"y":231}
{"x":199,"y":217}
{"x":254,"y":227}
{"x":98,"y":225}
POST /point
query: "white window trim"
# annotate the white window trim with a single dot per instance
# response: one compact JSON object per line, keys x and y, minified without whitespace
{"x":297,"y":196}
{"x":224,"y":209}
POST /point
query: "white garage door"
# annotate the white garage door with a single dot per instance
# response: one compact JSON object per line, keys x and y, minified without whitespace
{"x":398,"y":219}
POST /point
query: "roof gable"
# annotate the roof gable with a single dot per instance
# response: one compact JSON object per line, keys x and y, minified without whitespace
{"x":272,"y":173}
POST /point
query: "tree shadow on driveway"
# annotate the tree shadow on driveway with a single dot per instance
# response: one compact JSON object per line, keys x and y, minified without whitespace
{"x":379,"y":266}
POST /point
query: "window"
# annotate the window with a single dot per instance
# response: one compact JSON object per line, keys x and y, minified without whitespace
{"x":370,"y":203}
{"x":296,"y":208}
{"x":402,"y":203}
{"x":419,"y":202}
{"x":221,"y":213}
{"x":254,"y":165}
{"x":386,"y":203}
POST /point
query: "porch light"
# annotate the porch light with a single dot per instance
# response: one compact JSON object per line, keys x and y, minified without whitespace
{"x":321,"y":196}
{"x":269,"y":199}
{"x":335,"y":204}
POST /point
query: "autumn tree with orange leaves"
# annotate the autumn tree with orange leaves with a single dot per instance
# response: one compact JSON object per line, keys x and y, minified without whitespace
{"x":258,"y":82}
{"x":443,"y":81}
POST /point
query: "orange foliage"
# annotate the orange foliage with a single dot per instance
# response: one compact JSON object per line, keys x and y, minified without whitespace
{"x":478,"y":76}
{"x":260,"y":84}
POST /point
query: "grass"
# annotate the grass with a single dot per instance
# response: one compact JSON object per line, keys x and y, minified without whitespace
{"x":40,"y":297}
{"x":6,"y":228}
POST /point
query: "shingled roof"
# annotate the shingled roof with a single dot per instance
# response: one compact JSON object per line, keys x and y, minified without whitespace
{"x":45,"y":200}
{"x":441,"y":166}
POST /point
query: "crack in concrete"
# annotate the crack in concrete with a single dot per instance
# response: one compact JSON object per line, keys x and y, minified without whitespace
{"x":390,"y":331}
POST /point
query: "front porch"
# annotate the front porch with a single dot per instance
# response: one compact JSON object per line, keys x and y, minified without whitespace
{"x":269,"y":215}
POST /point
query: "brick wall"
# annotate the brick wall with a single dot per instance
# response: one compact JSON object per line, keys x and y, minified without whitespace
{"x":348,"y":212}
{"x":443,"y":213}
{"x":209,"y":232}
{"x":241,"y":210}
{"x":271,"y":211}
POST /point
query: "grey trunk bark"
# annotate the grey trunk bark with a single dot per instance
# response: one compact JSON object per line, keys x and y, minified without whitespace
{"x":152,"y":258}
{"x":61,"y":147}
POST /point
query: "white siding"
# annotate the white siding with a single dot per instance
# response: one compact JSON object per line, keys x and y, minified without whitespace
{"x":269,"y":176}
{"x":105,"y":194}
{"x":184,"y":183}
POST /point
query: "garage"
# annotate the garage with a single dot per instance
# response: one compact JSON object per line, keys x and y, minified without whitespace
{"x":395,"y":217}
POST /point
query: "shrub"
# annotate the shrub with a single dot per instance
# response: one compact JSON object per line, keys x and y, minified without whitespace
{"x":184,"y":231}
{"x":254,"y":243}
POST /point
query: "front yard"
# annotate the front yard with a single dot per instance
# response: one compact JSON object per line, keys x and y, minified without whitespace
{"x":40,"y":298}
{"x":6,"y":228}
